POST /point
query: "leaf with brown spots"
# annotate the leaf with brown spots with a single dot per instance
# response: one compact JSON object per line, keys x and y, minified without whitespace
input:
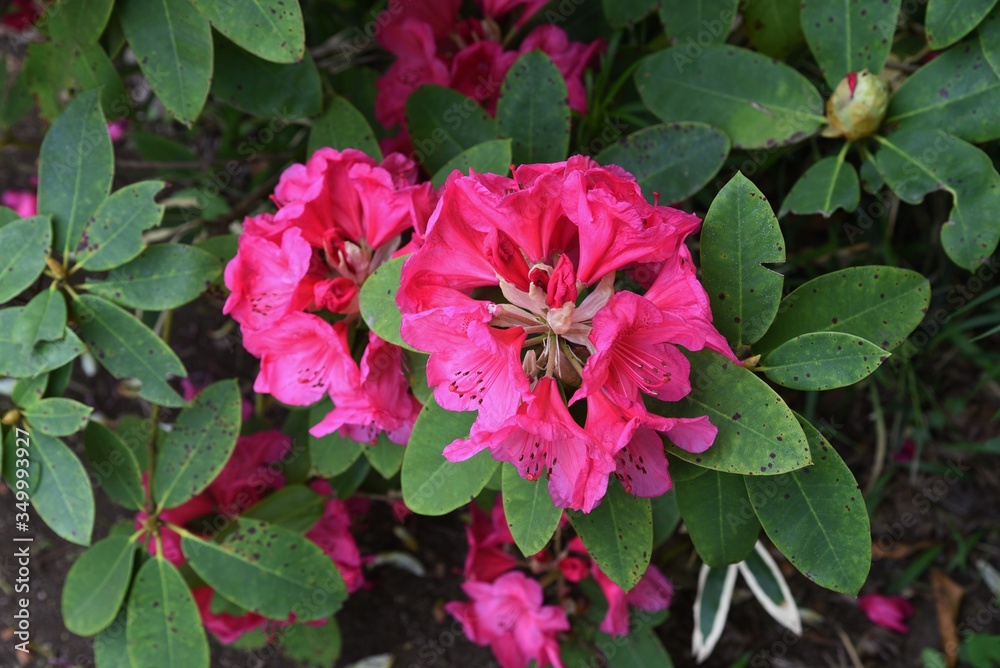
{"x":164,"y":627}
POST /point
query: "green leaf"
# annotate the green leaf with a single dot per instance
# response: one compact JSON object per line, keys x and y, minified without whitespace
{"x":538,"y":124}
{"x":24,"y":244}
{"x":817,"y":518}
{"x":343,"y":126}
{"x":18,"y":457}
{"x":917,"y":162}
{"x":58,"y":417}
{"x":28,"y":391}
{"x":332,"y":454}
{"x":199,"y":445}
{"x":17,"y":362}
{"x":114,"y":465}
{"x":43,"y":319}
{"x":531,"y":516}
{"x":378,"y":302}
{"x":63,"y":498}
{"x":948,"y":22}
{"x":128,"y":349}
{"x":758,"y":433}
{"x":290,"y":573}
{"x":15,"y":100}
{"x":618,"y":534}
{"x":75,"y":169}
{"x":489,"y":157}
{"x":114,"y":235}
{"x":432,"y":485}
{"x":879,"y":304}
{"x":96,"y":585}
{"x":111,"y":646}
{"x":717,"y":514}
{"x":135,"y":432}
{"x":162,"y":277}
{"x":950,"y":93}
{"x":768,"y":585}
{"x":666,"y":516}
{"x":295,"y":507}
{"x":313,"y":646}
{"x":270,"y":29}
{"x":822,"y":361}
{"x":385,"y":456}
{"x":172,"y":42}
{"x":443,"y":123}
{"x":675,"y":160}
{"x":91,"y":68}
{"x":642,"y":650}
{"x":739,"y":235}
{"x":164,"y":627}
{"x":828,"y":185}
{"x":8,"y":215}
{"x":758,"y":102}
{"x":701,"y":21}
{"x":348,"y":482}
{"x":989,"y":38}
{"x":260,"y":87}
{"x":46,"y":77}
{"x":626,"y":13}
{"x":83,"y":21}
{"x":711,"y":608}
{"x":849,"y":35}
{"x":774,"y":26}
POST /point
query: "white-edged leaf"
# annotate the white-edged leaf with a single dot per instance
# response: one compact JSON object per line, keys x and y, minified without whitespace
{"x":770,"y":588}
{"x":711,"y":607}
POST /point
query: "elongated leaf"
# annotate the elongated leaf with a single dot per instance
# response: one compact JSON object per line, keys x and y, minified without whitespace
{"x":624,"y":13}
{"x":173,"y":43}
{"x":58,"y":416}
{"x":343,"y":126}
{"x":199,"y":445}
{"x":46,"y":77}
{"x":290,"y":574}
{"x":63,"y":497}
{"x":489,"y":157}
{"x":717,"y":513}
{"x":29,"y":391}
{"x":849,"y":35}
{"x":314,"y":646}
{"x":531,"y":516}
{"x":378,"y":302}
{"x":385,"y":456}
{"x":817,"y":518}
{"x":23,"y":247}
{"x":91,"y":68}
{"x":774,"y":26}
{"x":43,"y":319}
{"x":989,"y":38}
{"x":822,"y":361}
{"x":128,"y":349}
{"x":675,"y":160}
{"x":163,"y":276}
{"x":296,"y":508}
{"x":20,"y":362}
{"x":618,"y":534}
{"x":699,"y":22}
{"x":828,"y":185}
{"x":879,"y":304}
{"x":96,"y":585}
{"x":114,"y":235}
{"x":432,"y":485}
{"x":260,"y":87}
{"x":643,"y":649}
{"x":164,"y":627}
{"x":443,"y":123}
{"x":75,"y":169}
{"x":538,"y":124}
{"x":114,"y":466}
{"x":950,"y":20}
{"x":666,"y":517}
{"x":111,"y":645}
{"x":332,"y":454}
{"x":740,"y":234}
{"x":83,"y":20}
{"x":711,"y":608}
{"x":756,"y":101}
{"x":270,"y":29}
{"x":770,"y":589}
{"x":917,"y":162}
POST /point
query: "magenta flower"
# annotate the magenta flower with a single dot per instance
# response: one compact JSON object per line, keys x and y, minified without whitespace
{"x":488,"y":535}
{"x":23,"y":202}
{"x":889,"y":612}
{"x":496,"y":9}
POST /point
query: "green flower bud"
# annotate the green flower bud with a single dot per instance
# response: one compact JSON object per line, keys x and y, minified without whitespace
{"x":857,"y":106}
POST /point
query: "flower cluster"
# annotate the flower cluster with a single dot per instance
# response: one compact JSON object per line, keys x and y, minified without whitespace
{"x":295,"y":284}
{"x":515,"y":293}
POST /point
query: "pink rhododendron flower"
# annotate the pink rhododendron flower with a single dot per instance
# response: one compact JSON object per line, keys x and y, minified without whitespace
{"x":888,"y":612}
{"x":509,"y":616}
{"x":22,"y":14}
{"x":496,"y":9}
{"x":488,"y":535}
{"x":23,"y":202}
{"x":546,"y":247}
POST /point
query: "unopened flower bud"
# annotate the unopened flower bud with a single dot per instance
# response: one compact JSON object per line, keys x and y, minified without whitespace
{"x":857,"y":106}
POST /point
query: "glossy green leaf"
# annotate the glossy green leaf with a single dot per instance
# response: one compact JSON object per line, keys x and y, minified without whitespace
{"x":531,"y":516}
{"x":699,"y":22}
{"x":758,"y":102}
{"x":432,"y":485}
{"x":270,"y":29}
{"x":290,"y":573}
{"x":443,"y":123}
{"x":91,"y":68}
{"x":378,"y":302}
{"x":295,"y":507}
{"x":817,"y":518}
{"x":114,"y":235}
{"x":96,"y":585}
{"x":739,"y":236}
{"x":58,"y":416}
{"x":75,"y":169}
{"x":18,"y":362}
{"x":8,"y":215}
{"x":989,"y":38}
{"x":385,"y":456}
{"x":758,"y":433}
{"x":711,"y":608}
{"x":82,"y":20}
{"x":199,"y":445}
{"x":115,"y":468}
{"x":313,"y":646}
{"x":43,"y":319}
{"x":917,"y":162}
{"x":28,"y":391}
{"x":417,"y":365}
{"x":666,"y":516}
{"x":172,"y":42}
{"x":768,"y":585}
{"x":161,"y":277}
{"x":63,"y":497}
{"x":275,"y":91}
{"x":350,"y":480}
{"x":717,"y":514}
{"x":774,"y":26}
{"x":489,"y":157}
{"x":164,"y":627}
{"x":24,"y":244}
{"x":135,"y":433}
{"x":332,"y":454}
{"x":822,"y":361}
{"x":538,"y":124}
{"x":343,"y":126}
{"x":643,"y":649}
{"x":626,"y":13}
{"x":948,"y":21}
{"x":828,"y":185}
{"x":879,"y":304}
{"x":111,"y":645}
{"x":675,"y":160}
{"x":871,"y":179}
{"x":849,"y":35}
{"x":618,"y":534}
{"x":128,"y":349}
